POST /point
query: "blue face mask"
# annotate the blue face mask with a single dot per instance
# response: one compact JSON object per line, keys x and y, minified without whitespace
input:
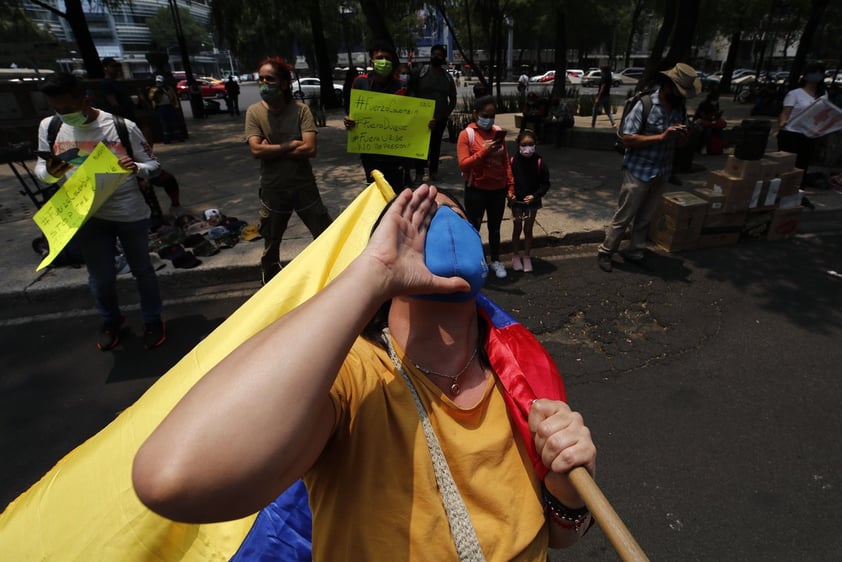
{"x":485,"y":122}
{"x":454,"y":249}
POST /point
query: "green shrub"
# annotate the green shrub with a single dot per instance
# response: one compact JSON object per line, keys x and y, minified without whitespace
{"x":457,"y":121}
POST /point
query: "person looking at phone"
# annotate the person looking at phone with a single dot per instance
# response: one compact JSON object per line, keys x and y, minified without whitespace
{"x":647,"y":163}
{"x":484,"y":161}
{"x":124,"y":216}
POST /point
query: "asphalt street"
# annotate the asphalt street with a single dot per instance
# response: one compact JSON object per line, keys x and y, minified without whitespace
{"x":710,"y":381}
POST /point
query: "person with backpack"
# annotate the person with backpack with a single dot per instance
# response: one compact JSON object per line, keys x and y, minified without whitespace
{"x":124,"y":216}
{"x":484,"y":161}
{"x":531,"y":182}
{"x":650,"y":130}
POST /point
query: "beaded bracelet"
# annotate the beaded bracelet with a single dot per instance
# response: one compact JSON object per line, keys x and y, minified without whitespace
{"x":563,"y":516}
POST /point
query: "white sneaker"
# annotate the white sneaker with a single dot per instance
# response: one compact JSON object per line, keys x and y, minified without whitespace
{"x":499,"y":269}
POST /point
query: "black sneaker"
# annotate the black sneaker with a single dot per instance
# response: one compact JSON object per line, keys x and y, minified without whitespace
{"x":605,"y":262}
{"x":154,"y":334}
{"x":109,"y":334}
{"x":634,"y":257}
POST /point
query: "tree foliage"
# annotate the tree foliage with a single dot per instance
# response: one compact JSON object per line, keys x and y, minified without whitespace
{"x":163,"y":36}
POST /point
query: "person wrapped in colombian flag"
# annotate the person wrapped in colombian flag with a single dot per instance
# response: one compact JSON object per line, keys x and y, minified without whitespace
{"x":441,"y":417}
{"x":428,"y":429}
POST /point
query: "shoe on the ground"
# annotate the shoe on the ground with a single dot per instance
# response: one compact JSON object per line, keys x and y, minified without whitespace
{"x":527,"y":264}
{"x":499,"y":269}
{"x":633,"y":257}
{"x":516,"y":263}
{"x":109,"y":334}
{"x":154,"y":334}
{"x":177,"y":211}
{"x":605,"y":262}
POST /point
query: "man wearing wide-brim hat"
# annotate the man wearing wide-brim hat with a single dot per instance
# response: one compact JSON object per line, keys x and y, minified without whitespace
{"x":647,"y":163}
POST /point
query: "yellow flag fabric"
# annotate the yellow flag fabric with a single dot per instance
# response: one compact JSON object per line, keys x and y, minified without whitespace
{"x":85,"y":508}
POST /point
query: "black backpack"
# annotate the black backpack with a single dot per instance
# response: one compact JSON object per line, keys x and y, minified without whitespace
{"x":645,"y":97}
{"x":119,"y":123}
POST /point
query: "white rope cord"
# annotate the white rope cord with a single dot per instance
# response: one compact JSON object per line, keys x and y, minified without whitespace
{"x":464,"y":535}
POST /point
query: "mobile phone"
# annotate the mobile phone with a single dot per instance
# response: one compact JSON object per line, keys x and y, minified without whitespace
{"x":46,"y":155}
{"x":500,"y":135}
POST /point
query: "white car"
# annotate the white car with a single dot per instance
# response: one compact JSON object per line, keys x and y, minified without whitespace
{"x":548,"y":76}
{"x":632,"y":74}
{"x":309,"y":88}
{"x":574,"y":75}
{"x":594,"y":78}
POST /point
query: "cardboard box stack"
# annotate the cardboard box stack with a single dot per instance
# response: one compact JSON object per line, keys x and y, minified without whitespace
{"x":758,"y":199}
{"x":678,"y":222}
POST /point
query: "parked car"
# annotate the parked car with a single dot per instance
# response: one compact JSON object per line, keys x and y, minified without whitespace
{"x":743,"y":79}
{"x":740,"y":72}
{"x":574,"y":75}
{"x":780,"y":77}
{"x":709,"y":82}
{"x":309,"y":88}
{"x":594,"y":78}
{"x":632,"y":74}
{"x":548,"y":76}
{"x":209,"y":89}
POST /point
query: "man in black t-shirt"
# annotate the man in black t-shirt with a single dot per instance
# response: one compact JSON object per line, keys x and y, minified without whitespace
{"x":603,"y":97}
{"x":117,"y":101}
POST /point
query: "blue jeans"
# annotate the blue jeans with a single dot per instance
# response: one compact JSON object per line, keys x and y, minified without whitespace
{"x":97,"y":239}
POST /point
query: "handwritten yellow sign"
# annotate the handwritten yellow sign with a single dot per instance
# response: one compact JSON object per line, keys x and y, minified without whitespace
{"x":78,"y":199}
{"x":390,"y":124}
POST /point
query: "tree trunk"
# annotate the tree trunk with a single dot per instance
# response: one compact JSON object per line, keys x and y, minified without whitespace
{"x":84,"y":42}
{"x":560,"y":83}
{"x":323,"y":61}
{"x":376,"y":21}
{"x":817,"y":9}
{"x":638,"y":9}
{"x":653,"y":65}
{"x":683,"y":33}
{"x":733,"y":49}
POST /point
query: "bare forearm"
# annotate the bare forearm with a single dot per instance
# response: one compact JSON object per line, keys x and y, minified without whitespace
{"x":260,"y":418}
{"x":291,"y":149}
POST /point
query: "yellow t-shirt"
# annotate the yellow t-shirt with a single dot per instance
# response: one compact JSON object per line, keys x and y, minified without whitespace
{"x":373,"y":490}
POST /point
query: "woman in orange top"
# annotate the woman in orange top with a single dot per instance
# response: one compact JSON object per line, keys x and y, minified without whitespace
{"x":484,"y":161}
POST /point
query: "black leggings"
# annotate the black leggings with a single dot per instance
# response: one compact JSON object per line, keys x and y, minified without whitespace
{"x":492,"y":203}
{"x":801,"y":145}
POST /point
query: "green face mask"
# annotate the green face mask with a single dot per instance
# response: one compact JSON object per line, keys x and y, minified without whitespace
{"x":383,"y":67}
{"x":74,"y":119}
{"x":270,"y":94}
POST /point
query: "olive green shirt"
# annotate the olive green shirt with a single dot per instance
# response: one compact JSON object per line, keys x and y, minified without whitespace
{"x":279,"y":127}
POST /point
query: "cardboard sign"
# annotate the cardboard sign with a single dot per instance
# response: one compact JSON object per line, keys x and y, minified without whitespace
{"x":78,"y":199}
{"x":389,"y":124}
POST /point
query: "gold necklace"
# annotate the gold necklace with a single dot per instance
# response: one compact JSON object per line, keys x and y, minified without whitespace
{"x":455,"y":389}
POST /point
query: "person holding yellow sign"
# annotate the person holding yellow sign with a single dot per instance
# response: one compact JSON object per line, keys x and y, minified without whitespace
{"x":384,"y":60}
{"x":124,"y":216}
